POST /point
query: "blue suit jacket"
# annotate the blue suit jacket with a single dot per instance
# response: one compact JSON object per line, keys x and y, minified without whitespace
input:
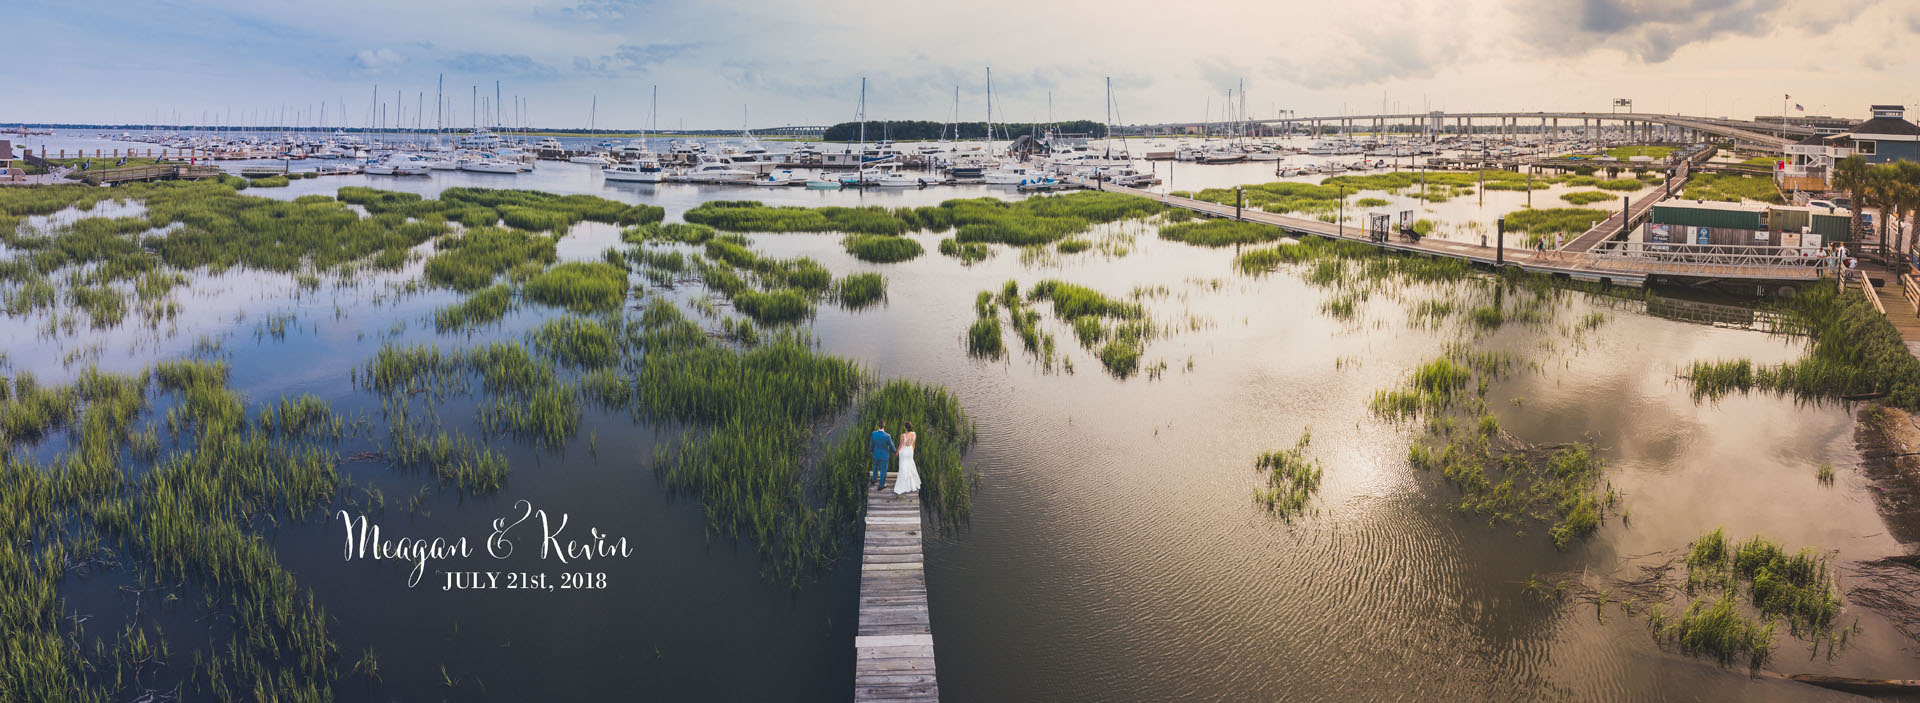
{"x":882,"y":444}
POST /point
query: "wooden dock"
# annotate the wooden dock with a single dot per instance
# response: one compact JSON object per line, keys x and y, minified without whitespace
{"x":1595,"y":264}
{"x":893,"y":644}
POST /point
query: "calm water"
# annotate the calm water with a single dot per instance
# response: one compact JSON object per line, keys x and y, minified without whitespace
{"x":1114,"y":552}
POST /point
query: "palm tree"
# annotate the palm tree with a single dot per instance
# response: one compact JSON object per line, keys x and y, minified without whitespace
{"x":1905,"y":200}
{"x":1850,"y":175}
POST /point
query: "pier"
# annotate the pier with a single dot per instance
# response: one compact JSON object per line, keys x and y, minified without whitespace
{"x":1604,"y":261}
{"x":893,"y":644}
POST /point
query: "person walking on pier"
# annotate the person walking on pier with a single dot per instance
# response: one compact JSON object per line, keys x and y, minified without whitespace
{"x":883,"y":451}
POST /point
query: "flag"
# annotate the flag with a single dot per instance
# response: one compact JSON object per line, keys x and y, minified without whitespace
{"x":1786,"y":97}
{"x":1798,"y":106}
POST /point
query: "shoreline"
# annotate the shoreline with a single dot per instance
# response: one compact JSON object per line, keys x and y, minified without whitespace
{"x":1889,"y":443}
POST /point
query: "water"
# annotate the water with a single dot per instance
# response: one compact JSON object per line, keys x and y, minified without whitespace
{"x":1114,"y":552}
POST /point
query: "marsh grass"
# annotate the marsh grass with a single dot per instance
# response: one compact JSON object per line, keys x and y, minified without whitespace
{"x":1220,"y":233}
{"x":968,"y":253}
{"x":1854,"y":352}
{"x":579,"y":286}
{"x":1292,"y":478}
{"x":1760,"y":577}
{"x":480,"y":308}
{"x":882,"y":249}
{"x":860,"y":290}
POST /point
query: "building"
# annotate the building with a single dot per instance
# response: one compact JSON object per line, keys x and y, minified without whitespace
{"x":1745,"y":224}
{"x":7,"y":170}
{"x":1821,"y":124}
{"x":1888,"y":136}
{"x":1809,"y":163}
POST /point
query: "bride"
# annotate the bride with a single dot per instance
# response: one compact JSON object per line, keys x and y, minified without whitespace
{"x":909,"y":480}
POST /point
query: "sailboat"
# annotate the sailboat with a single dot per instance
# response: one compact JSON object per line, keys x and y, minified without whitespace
{"x":594,"y":159}
{"x":644,"y":166}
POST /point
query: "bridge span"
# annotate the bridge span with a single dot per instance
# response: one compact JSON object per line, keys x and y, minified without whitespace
{"x":1760,"y":134}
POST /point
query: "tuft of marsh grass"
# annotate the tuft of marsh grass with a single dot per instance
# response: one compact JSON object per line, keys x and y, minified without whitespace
{"x":1292,"y":478}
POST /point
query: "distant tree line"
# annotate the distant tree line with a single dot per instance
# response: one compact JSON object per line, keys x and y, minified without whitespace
{"x":918,"y":130}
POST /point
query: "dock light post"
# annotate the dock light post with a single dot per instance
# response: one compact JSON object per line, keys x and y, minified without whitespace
{"x":1343,"y":211}
{"x":1626,"y":213}
{"x":1500,"y":242}
{"x":1236,"y":202}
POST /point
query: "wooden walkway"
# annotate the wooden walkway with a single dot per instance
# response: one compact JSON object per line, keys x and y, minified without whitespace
{"x":1583,"y":264}
{"x":894,"y":642}
{"x":1637,"y":211}
{"x":1550,"y":262}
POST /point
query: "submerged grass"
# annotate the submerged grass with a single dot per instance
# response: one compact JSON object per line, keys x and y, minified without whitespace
{"x":1292,"y":478}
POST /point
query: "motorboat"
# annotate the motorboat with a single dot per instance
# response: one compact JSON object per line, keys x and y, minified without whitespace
{"x":783,"y":177}
{"x":398,"y":164}
{"x":1222,"y":156}
{"x":492,"y":166}
{"x":549,"y":144}
{"x":822,"y":184}
{"x":716,"y":172}
{"x":643,"y":171}
{"x":1010,"y":175}
{"x":632,"y":150}
{"x":591,"y":160}
{"x":893,"y":178}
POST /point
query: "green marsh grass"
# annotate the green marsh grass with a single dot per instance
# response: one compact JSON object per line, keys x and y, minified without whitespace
{"x":579,"y":286}
{"x":860,"y":290}
{"x":968,"y":252}
{"x":882,"y":249}
{"x":480,"y":308}
{"x":1220,"y":233}
{"x":1292,"y":478}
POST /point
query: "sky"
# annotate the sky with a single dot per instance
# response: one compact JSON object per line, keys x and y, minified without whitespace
{"x":767,"y":63}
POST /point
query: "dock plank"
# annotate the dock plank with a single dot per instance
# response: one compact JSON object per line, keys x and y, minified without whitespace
{"x":893,"y":638}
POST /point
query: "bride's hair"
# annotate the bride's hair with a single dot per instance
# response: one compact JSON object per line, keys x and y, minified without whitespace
{"x":909,"y":425}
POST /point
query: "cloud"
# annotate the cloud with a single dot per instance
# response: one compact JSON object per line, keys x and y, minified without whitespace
{"x":1650,"y":30}
{"x":377,"y":59}
{"x":632,"y":57}
{"x":601,"y":10}
{"x":515,"y":65}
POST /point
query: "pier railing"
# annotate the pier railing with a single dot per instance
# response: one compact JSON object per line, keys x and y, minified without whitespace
{"x":1706,"y":260}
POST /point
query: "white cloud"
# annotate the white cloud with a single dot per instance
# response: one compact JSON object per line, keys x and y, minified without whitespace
{"x":378,"y":59}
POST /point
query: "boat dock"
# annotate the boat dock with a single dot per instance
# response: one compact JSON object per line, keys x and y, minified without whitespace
{"x":1602,"y":261}
{"x":893,"y":644}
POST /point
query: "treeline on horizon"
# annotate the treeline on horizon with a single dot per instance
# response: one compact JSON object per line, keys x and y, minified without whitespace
{"x":921,"y":130}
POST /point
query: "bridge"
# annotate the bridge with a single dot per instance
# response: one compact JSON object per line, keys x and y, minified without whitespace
{"x":1765,"y":135}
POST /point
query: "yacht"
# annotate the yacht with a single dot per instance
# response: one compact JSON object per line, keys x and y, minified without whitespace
{"x":716,"y":172}
{"x":481,"y":139}
{"x":398,"y":164}
{"x":491,"y":166}
{"x":591,"y":160}
{"x":1010,"y":175}
{"x":632,"y":150}
{"x":549,"y":144}
{"x":893,"y":178}
{"x":646,"y":170}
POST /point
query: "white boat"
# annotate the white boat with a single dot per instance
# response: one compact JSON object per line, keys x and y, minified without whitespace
{"x":716,"y":172}
{"x":646,"y":170}
{"x":549,"y":144}
{"x":895,"y":179}
{"x":822,"y":184}
{"x":398,"y":165}
{"x":632,"y":150}
{"x":591,"y":160}
{"x":1010,"y":175}
{"x":783,"y":177}
{"x":492,"y":166}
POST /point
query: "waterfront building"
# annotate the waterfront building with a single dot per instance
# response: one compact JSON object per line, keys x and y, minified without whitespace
{"x":7,"y":170}
{"x":1887,"y":136}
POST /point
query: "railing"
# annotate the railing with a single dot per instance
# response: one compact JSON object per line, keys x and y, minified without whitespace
{"x":1706,"y":260}
{"x":1910,"y":288}
{"x":1873,"y":296}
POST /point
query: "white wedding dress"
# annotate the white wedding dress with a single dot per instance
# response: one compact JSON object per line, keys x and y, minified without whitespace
{"x":909,"y":480}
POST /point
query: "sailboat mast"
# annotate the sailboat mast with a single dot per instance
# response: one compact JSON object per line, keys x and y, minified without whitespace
{"x":1109,"y":134}
{"x":989,"y":110}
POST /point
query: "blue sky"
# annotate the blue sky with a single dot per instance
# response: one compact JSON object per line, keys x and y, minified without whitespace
{"x":784,"y":62}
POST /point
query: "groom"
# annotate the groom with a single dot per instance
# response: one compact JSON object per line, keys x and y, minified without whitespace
{"x":882,"y":454}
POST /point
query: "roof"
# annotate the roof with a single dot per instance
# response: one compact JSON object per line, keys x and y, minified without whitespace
{"x":1713,"y":205}
{"x":1887,"y":125}
{"x":1813,"y":140}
